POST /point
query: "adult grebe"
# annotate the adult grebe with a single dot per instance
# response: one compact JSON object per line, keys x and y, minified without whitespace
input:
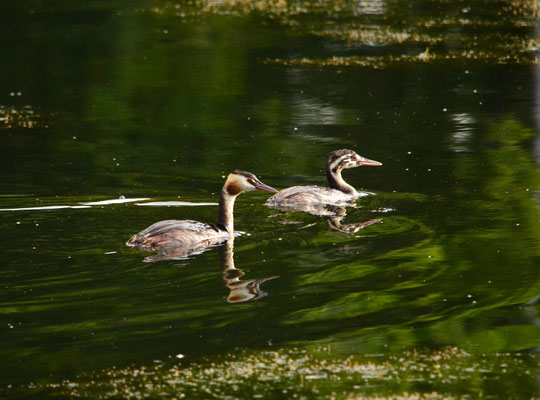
{"x":313,"y":199}
{"x":176,"y":239}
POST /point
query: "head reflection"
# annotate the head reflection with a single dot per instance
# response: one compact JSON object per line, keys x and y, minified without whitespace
{"x":334,"y":222}
{"x":240,"y":291}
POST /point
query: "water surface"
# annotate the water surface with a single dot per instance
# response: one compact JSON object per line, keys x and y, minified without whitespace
{"x":116,"y":115}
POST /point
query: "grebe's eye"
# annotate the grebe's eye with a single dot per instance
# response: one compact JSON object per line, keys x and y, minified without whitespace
{"x":251,"y":181}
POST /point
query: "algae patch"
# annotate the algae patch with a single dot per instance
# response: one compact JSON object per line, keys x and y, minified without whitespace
{"x":383,"y":33}
{"x":20,"y":117}
{"x":315,"y":373}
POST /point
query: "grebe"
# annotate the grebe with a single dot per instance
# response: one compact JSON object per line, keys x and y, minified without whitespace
{"x":177,"y":239}
{"x":240,"y":290}
{"x":314,"y":199}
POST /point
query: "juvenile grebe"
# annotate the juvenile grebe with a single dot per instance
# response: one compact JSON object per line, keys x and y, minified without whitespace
{"x":313,"y":199}
{"x":176,"y":239}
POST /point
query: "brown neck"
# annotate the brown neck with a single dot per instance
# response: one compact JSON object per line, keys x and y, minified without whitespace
{"x":226,"y":206}
{"x":335,"y":181}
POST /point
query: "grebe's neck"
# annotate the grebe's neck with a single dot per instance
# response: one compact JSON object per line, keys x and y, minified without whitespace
{"x":226,"y":207}
{"x":335,"y":181}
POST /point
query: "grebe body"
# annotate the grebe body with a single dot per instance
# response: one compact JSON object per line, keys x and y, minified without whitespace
{"x":177,"y":233}
{"x":180,"y":238}
{"x":314,"y":198}
{"x":310,"y":195}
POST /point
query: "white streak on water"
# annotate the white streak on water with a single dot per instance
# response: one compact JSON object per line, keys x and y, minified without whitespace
{"x":114,"y":201}
{"x":364,"y":194}
{"x":41,"y":208}
{"x":82,"y":205}
{"x":175,"y":203}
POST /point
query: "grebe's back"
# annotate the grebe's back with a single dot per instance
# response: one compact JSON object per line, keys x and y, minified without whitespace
{"x":179,"y":238}
{"x":176,"y":232}
{"x":309,"y":195}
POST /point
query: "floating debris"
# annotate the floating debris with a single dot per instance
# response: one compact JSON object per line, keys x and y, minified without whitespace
{"x":431,"y":374}
{"x":491,"y":57}
{"x":488,"y":31}
{"x":20,"y":117}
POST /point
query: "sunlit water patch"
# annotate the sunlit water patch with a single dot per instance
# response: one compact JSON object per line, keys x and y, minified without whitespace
{"x":138,"y":201}
{"x":20,"y":117}
{"x":450,"y":373}
{"x":501,"y":36}
{"x":464,"y":129}
{"x":43,"y":208}
{"x":120,"y":200}
{"x":175,"y":204}
{"x":421,"y":57}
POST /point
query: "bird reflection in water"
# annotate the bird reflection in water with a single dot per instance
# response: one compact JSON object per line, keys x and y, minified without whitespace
{"x":240,"y":291}
{"x":334,"y":222}
{"x":173,"y":252}
{"x":333,"y":215}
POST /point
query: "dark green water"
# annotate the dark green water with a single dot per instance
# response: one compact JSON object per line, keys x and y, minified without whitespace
{"x":159,"y":101}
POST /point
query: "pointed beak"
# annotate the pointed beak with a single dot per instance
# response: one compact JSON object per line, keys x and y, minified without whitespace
{"x":261,"y":186}
{"x":368,"y":163}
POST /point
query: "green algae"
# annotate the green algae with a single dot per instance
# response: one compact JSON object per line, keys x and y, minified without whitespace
{"x":398,"y":32}
{"x":449,"y":373}
{"x":25,"y":117}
